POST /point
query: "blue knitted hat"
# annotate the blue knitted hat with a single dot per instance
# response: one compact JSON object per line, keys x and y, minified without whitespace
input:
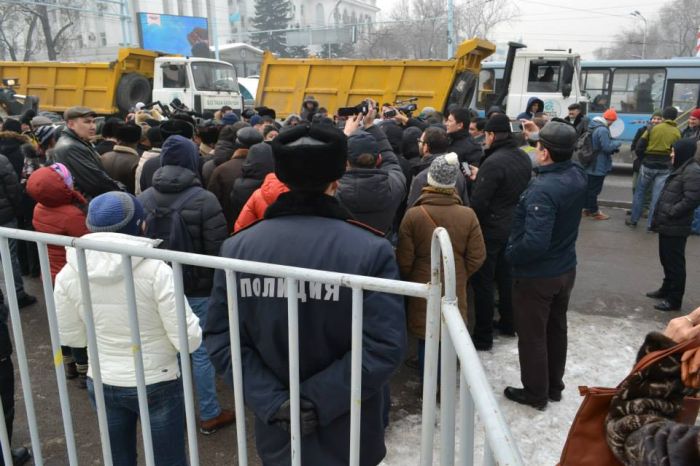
{"x":116,"y":212}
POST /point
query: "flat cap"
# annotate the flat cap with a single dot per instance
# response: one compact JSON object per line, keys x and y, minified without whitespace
{"x":77,"y":112}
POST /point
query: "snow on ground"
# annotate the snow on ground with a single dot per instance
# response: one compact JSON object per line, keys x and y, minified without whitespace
{"x":601,"y":352}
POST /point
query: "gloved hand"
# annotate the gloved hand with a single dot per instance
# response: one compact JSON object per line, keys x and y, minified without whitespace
{"x":309,"y":419}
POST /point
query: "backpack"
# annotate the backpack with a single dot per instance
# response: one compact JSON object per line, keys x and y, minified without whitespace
{"x":167,"y":224}
{"x":583,"y":149}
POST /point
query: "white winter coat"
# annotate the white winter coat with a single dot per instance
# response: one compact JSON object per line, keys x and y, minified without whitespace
{"x":155,"y":300}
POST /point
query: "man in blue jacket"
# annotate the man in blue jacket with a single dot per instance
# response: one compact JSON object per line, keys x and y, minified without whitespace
{"x":542,"y":251}
{"x":307,"y":227}
{"x":603,"y":148}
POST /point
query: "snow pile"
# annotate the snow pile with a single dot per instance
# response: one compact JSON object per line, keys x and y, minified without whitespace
{"x":601,"y":352}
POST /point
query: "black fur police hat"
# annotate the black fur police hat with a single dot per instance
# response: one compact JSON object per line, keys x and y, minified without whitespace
{"x":310,"y":156}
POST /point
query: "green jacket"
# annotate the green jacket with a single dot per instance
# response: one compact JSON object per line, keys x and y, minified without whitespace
{"x":659,"y":139}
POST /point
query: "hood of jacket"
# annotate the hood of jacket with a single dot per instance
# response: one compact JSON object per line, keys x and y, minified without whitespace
{"x":531,"y":101}
{"x":430,"y":196}
{"x":272,"y":188}
{"x":597,"y":122}
{"x":104,"y":267}
{"x":223,"y":151}
{"x":48,"y":188}
{"x":684,"y":150}
{"x":365,"y":190}
{"x":174,"y":179}
{"x":259,"y":162}
{"x":180,"y":152}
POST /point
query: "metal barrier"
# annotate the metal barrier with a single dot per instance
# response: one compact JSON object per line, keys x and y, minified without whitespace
{"x":444,"y":322}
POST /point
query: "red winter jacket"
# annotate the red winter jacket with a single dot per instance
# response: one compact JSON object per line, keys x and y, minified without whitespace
{"x":57,"y":211}
{"x":254,"y":209}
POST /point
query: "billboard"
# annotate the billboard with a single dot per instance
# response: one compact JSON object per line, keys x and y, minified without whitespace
{"x":184,"y":35}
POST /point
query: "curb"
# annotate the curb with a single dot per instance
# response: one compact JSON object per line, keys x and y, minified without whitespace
{"x":616,"y":204}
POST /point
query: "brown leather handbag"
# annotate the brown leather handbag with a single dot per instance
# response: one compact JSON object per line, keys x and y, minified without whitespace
{"x":586,"y":444}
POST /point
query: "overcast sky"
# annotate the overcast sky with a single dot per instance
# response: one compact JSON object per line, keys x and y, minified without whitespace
{"x":564,"y":24}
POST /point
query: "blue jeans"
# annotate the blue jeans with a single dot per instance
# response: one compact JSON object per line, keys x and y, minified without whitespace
{"x":696,"y":222}
{"x":203,"y":371}
{"x":167,"y":413}
{"x":653,"y":178}
{"x":16,"y":269}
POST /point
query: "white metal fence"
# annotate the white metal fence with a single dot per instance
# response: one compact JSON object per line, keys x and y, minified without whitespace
{"x":446,"y":333}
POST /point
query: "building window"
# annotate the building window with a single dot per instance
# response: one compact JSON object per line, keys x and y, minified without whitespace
{"x":103,"y":39}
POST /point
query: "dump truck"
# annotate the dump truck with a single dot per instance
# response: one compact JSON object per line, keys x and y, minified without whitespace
{"x":136,"y":75}
{"x":440,"y":84}
{"x":284,"y":82}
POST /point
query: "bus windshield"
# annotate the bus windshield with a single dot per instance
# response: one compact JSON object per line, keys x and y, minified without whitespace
{"x":211,"y":76}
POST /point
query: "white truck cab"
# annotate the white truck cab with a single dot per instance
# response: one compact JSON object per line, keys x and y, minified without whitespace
{"x":551,"y":76}
{"x":201,"y":84}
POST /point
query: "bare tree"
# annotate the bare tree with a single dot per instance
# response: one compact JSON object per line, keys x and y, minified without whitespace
{"x":17,"y":34}
{"x":671,"y":34}
{"x":418,"y":28}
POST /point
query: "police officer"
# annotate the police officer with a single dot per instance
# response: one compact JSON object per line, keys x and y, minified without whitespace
{"x":307,"y":227}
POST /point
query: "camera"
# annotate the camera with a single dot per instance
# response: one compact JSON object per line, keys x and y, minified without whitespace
{"x":361,"y":108}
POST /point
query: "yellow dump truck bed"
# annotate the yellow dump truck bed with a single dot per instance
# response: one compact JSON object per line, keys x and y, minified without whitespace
{"x":60,"y":85}
{"x":284,"y":82}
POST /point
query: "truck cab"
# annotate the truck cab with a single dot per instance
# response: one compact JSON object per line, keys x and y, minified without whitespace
{"x":551,"y":76}
{"x":201,"y":84}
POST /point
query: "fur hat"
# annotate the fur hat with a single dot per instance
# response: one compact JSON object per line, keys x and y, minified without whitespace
{"x":309,"y":156}
{"x":176,"y":127}
{"x":443,"y":171}
{"x":12,"y":125}
{"x":128,"y":133}
{"x":117,"y":212}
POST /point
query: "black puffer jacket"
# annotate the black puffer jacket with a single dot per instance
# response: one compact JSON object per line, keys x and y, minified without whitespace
{"x":679,"y":198}
{"x":256,"y":167}
{"x":11,"y":147}
{"x":202,"y":214}
{"x":223,"y":151}
{"x":504,"y":174}
{"x":84,"y":164}
{"x":373,"y":195}
{"x":462,"y":144}
{"x":5,"y":343}
{"x":10,"y":191}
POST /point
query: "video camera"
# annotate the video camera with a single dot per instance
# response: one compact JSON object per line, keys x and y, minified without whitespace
{"x":406,"y":106}
{"x":361,"y":108}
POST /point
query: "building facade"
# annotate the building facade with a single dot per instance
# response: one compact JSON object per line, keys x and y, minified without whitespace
{"x":100,"y":32}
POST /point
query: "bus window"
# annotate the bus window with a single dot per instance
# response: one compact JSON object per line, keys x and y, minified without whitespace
{"x":487,"y":89}
{"x":638,"y":90}
{"x":595,"y":85}
{"x":544,"y":76}
{"x":684,"y":96}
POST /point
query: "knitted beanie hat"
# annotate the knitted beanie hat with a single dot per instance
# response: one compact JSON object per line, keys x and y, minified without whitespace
{"x":117,"y":212}
{"x":63,"y":171}
{"x":443,"y":171}
{"x":610,"y":114}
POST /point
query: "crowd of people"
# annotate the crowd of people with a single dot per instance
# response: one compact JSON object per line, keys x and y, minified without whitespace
{"x":358,"y":195}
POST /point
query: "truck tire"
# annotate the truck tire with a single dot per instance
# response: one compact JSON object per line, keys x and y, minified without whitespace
{"x":132,"y":88}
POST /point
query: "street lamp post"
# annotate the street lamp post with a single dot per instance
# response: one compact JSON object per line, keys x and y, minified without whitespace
{"x":450,"y":28}
{"x":637,"y":14}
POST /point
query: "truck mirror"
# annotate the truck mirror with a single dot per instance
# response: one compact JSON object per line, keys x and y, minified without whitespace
{"x":566,"y":90}
{"x":567,"y":78}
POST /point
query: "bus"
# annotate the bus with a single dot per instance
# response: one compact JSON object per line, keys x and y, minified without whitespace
{"x":634,"y":88}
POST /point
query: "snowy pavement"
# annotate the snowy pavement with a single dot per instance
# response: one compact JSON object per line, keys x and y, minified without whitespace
{"x":601,"y":352}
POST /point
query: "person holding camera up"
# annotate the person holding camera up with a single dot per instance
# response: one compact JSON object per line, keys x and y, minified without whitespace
{"x":603,"y":149}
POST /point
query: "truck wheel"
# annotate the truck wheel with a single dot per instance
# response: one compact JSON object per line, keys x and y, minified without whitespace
{"x":132,"y":88}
